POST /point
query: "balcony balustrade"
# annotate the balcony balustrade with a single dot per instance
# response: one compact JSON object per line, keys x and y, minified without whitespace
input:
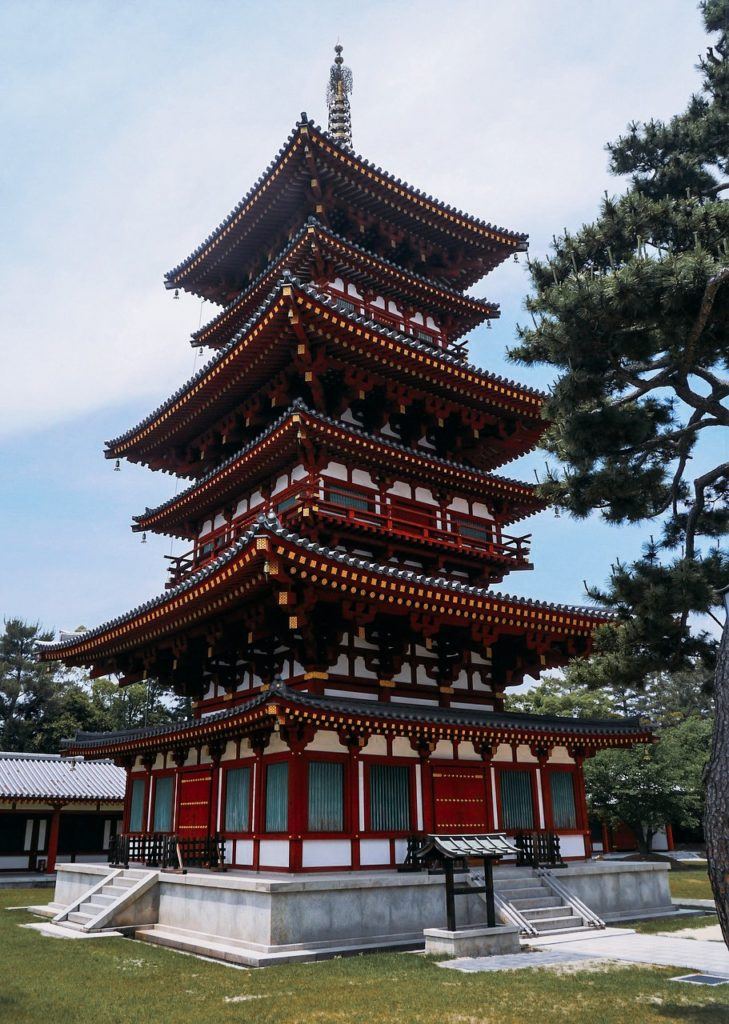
{"x":360,"y":509}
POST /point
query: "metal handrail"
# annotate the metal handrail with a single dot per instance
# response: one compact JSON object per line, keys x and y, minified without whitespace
{"x":505,"y":910}
{"x":577,"y":905}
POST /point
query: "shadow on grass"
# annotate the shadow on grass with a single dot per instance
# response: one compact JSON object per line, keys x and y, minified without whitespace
{"x":694,"y":1014}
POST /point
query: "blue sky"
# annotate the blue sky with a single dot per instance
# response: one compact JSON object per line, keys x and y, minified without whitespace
{"x":131,"y":129}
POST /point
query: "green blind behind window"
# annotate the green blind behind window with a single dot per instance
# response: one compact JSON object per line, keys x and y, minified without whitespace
{"x":389,"y":798}
{"x":326,"y":796}
{"x":163,"y":804}
{"x":237,"y":793}
{"x":136,"y":809}
{"x":562,"y":790}
{"x":516,"y":800}
{"x":277,"y":797}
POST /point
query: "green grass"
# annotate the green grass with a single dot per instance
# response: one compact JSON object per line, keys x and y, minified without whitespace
{"x":673,"y":924}
{"x":117,"y":981}
{"x":690,"y":884}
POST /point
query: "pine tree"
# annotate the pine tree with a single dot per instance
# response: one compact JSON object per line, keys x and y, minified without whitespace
{"x":632,"y":311}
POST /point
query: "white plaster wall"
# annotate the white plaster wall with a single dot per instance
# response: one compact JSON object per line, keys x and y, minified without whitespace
{"x":401,"y":747}
{"x":374,"y":851}
{"x":443,"y":748}
{"x":375,"y":746}
{"x":524,"y":755}
{"x":326,"y":740}
{"x":560,"y":756}
{"x":572,"y":846}
{"x":274,"y":853}
{"x":329,"y":853}
{"x":503,"y":752}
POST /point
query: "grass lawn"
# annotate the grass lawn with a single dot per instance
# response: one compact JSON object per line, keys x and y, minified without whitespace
{"x":690,"y":884}
{"x":673,"y":924}
{"x":117,"y":981}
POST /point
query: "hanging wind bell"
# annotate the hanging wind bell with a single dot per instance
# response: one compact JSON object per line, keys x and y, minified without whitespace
{"x":117,"y":466}
{"x":144,"y":538}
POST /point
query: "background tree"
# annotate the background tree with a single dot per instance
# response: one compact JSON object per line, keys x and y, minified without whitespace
{"x":632,"y":311}
{"x":43,"y":703}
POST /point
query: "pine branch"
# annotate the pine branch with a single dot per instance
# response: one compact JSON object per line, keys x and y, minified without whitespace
{"x":700,"y":485}
{"x":707,"y":304}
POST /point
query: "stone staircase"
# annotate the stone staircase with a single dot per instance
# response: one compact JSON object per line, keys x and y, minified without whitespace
{"x":538,"y":905}
{"x":110,"y":903}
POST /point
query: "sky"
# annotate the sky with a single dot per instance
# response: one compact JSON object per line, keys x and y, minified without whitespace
{"x":131,"y":129}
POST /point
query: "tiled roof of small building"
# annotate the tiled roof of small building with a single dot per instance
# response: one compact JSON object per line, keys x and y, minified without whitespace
{"x":52,"y":777}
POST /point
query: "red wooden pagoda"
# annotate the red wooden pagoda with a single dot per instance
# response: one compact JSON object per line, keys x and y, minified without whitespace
{"x":335,"y":620}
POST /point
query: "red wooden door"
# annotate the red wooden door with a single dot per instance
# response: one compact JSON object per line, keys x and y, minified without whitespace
{"x":193,"y":808}
{"x":459,"y":798}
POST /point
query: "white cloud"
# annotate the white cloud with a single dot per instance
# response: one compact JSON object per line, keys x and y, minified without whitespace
{"x":128,"y":146}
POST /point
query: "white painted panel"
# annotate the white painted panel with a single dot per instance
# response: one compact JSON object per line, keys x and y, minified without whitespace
{"x":374,"y":851}
{"x":503,"y":752}
{"x":466,"y":751}
{"x":350,"y":693}
{"x":241,"y":507}
{"x":430,"y":322}
{"x":560,"y":756}
{"x":401,"y":488}
{"x":387,"y":430}
{"x":336,"y":470}
{"x":405,"y":675}
{"x":392,"y":308}
{"x":244,"y":851}
{"x":326,"y":853}
{"x":459,"y":505}
{"x":401,"y":747}
{"x":205,"y":528}
{"x":28,"y":834}
{"x":361,"y":670}
{"x":422,"y":677}
{"x":494,"y":802}
{"x":471,"y":707}
{"x":479,"y":683}
{"x":42,"y":834}
{"x":8,"y":863}
{"x":255,"y":499}
{"x":414,"y":700}
{"x":401,"y":849}
{"x":478,"y":659}
{"x":461,"y":680}
{"x":378,"y":301}
{"x":479,"y":509}
{"x":281,"y":484}
{"x":326,"y":739}
{"x":338,"y":283}
{"x":297,"y":669}
{"x":341,"y":665}
{"x":376,"y":745}
{"x":443,"y":748}
{"x":424,"y":495}
{"x":219,"y":520}
{"x":362,"y":477}
{"x":352,"y":290}
{"x":298,"y":473}
{"x":274,"y":853}
{"x":229,"y":856}
{"x":524,"y":754}
{"x":347,"y":416}
{"x":572,"y":846}
{"x":417,"y":319}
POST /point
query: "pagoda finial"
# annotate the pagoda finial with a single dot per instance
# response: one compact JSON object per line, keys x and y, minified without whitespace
{"x":338,"y":89}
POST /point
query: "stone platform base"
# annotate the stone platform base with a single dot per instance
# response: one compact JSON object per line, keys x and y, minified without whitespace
{"x":473,"y":941}
{"x":250,"y":918}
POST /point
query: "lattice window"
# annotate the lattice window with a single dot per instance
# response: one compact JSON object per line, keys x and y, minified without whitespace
{"x":389,"y":798}
{"x":277,"y":797}
{"x":237,"y":799}
{"x":562,"y":791}
{"x":516,"y":800}
{"x":163,"y":792}
{"x":326,"y":796}
{"x":136,"y":808}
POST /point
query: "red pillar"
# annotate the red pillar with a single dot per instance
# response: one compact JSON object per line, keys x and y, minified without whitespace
{"x":53,"y":839}
{"x":582,"y":803}
{"x":669,"y":837}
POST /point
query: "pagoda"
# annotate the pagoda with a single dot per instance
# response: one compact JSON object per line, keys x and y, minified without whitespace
{"x":335,"y":620}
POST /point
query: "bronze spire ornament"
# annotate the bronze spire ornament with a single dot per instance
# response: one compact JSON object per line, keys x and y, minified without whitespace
{"x":339,"y":87}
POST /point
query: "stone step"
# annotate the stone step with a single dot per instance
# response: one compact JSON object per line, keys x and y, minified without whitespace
{"x":102,"y":899}
{"x":554,"y":924}
{"x":121,"y":882}
{"x":77,"y":917}
{"x":92,"y":909}
{"x":115,"y":891}
{"x":532,"y":893}
{"x":540,"y":913}
{"x":536,"y":902}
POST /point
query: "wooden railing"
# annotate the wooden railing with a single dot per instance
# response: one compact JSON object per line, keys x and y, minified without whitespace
{"x":538,"y":849}
{"x":361,"y":508}
{"x":160,"y":850}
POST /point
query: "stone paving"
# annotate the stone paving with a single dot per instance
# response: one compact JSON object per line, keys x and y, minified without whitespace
{"x":517,"y":961}
{"x":622,"y":945}
{"x":661,"y":950}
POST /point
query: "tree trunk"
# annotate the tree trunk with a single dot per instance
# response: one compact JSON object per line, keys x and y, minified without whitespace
{"x":716,"y":814}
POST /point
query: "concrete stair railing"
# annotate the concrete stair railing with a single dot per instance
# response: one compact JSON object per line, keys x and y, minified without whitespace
{"x":537,"y":903}
{"x":99,"y":905}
